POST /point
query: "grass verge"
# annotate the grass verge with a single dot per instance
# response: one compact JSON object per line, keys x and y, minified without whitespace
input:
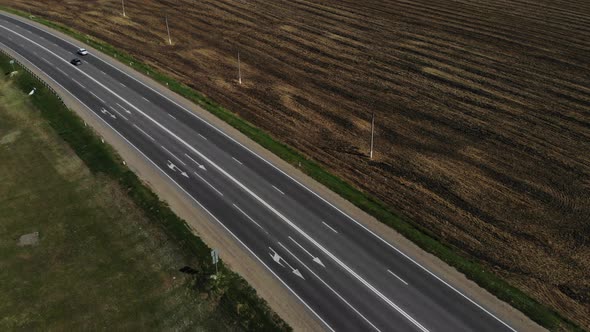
{"x":235,"y":300}
{"x":422,"y":237}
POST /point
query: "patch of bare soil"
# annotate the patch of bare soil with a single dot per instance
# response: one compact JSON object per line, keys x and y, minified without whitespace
{"x":482,"y":108}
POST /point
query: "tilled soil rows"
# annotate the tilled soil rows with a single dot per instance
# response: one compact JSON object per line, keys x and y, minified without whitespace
{"x":482,"y":108}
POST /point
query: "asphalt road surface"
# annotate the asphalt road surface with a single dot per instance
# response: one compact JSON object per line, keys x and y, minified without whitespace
{"x":347,"y":276}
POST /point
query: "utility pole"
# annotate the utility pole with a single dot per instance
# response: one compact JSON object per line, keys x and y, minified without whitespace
{"x":123,"y":5}
{"x":372,"y":135}
{"x":168,"y":29}
{"x":239,"y":70}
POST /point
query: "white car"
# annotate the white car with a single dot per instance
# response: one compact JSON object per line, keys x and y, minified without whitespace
{"x":82,"y":51}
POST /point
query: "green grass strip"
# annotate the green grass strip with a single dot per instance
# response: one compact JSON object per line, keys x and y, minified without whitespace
{"x":237,"y":300}
{"x":423,"y":238}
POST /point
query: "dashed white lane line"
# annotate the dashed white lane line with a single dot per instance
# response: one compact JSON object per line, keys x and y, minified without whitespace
{"x":146,"y":134}
{"x":237,"y":161}
{"x":330,"y":227}
{"x":203,"y":137}
{"x":103,"y":72}
{"x":249,"y":218}
{"x":277,"y":189}
{"x":95,"y":96}
{"x":330,"y":288}
{"x":82,"y":85}
{"x":123,"y":84}
{"x":119,"y":113}
{"x":61,"y":71}
{"x":173,"y":155}
{"x":144,"y":98}
{"x":172,"y":116}
{"x":47,"y":61}
{"x":209,"y":184}
{"x":400,"y":279}
{"x":124,"y":109}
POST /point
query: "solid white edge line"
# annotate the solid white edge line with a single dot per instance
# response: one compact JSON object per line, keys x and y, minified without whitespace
{"x":330,"y":227}
{"x":173,"y":155}
{"x":209,"y":184}
{"x":330,"y":288}
{"x":290,"y":177}
{"x":395,"y":275}
{"x":189,"y":195}
{"x":247,"y":216}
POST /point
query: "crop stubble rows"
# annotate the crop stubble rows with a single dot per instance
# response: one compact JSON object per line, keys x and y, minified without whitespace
{"x":483,"y":116}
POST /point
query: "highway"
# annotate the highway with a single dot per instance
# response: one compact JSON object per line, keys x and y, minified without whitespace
{"x":347,"y":276}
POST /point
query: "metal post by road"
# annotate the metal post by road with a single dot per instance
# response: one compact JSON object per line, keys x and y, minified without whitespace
{"x":168,"y":30}
{"x":239,"y":70}
{"x":215,"y":258}
{"x":372,"y":135}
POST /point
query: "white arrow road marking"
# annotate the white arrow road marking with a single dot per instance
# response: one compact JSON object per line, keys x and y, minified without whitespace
{"x":400,"y":279}
{"x":275,"y":256}
{"x":201,"y":166}
{"x":247,"y":190}
{"x":329,"y":287}
{"x":278,"y":259}
{"x":314,"y":258}
{"x":118,"y":113}
{"x":146,"y":134}
{"x":250,"y":218}
{"x":176,"y":169}
{"x":108,"y":113}
{"x":172,"y":154}
{"x":124,"y":109}
{"x":207,"y":182}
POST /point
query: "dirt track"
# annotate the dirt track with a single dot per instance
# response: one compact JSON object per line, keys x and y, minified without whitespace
{"x":483,"y":108}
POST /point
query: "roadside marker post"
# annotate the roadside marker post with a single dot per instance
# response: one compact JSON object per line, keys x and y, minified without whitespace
{"x":168,"y":30}
{"x":239,"y":70}
{"x":215,"y":259}
{"x":372,"y":134}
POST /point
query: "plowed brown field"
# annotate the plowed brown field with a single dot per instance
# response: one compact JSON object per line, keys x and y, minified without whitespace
{"x":482,"y":107}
